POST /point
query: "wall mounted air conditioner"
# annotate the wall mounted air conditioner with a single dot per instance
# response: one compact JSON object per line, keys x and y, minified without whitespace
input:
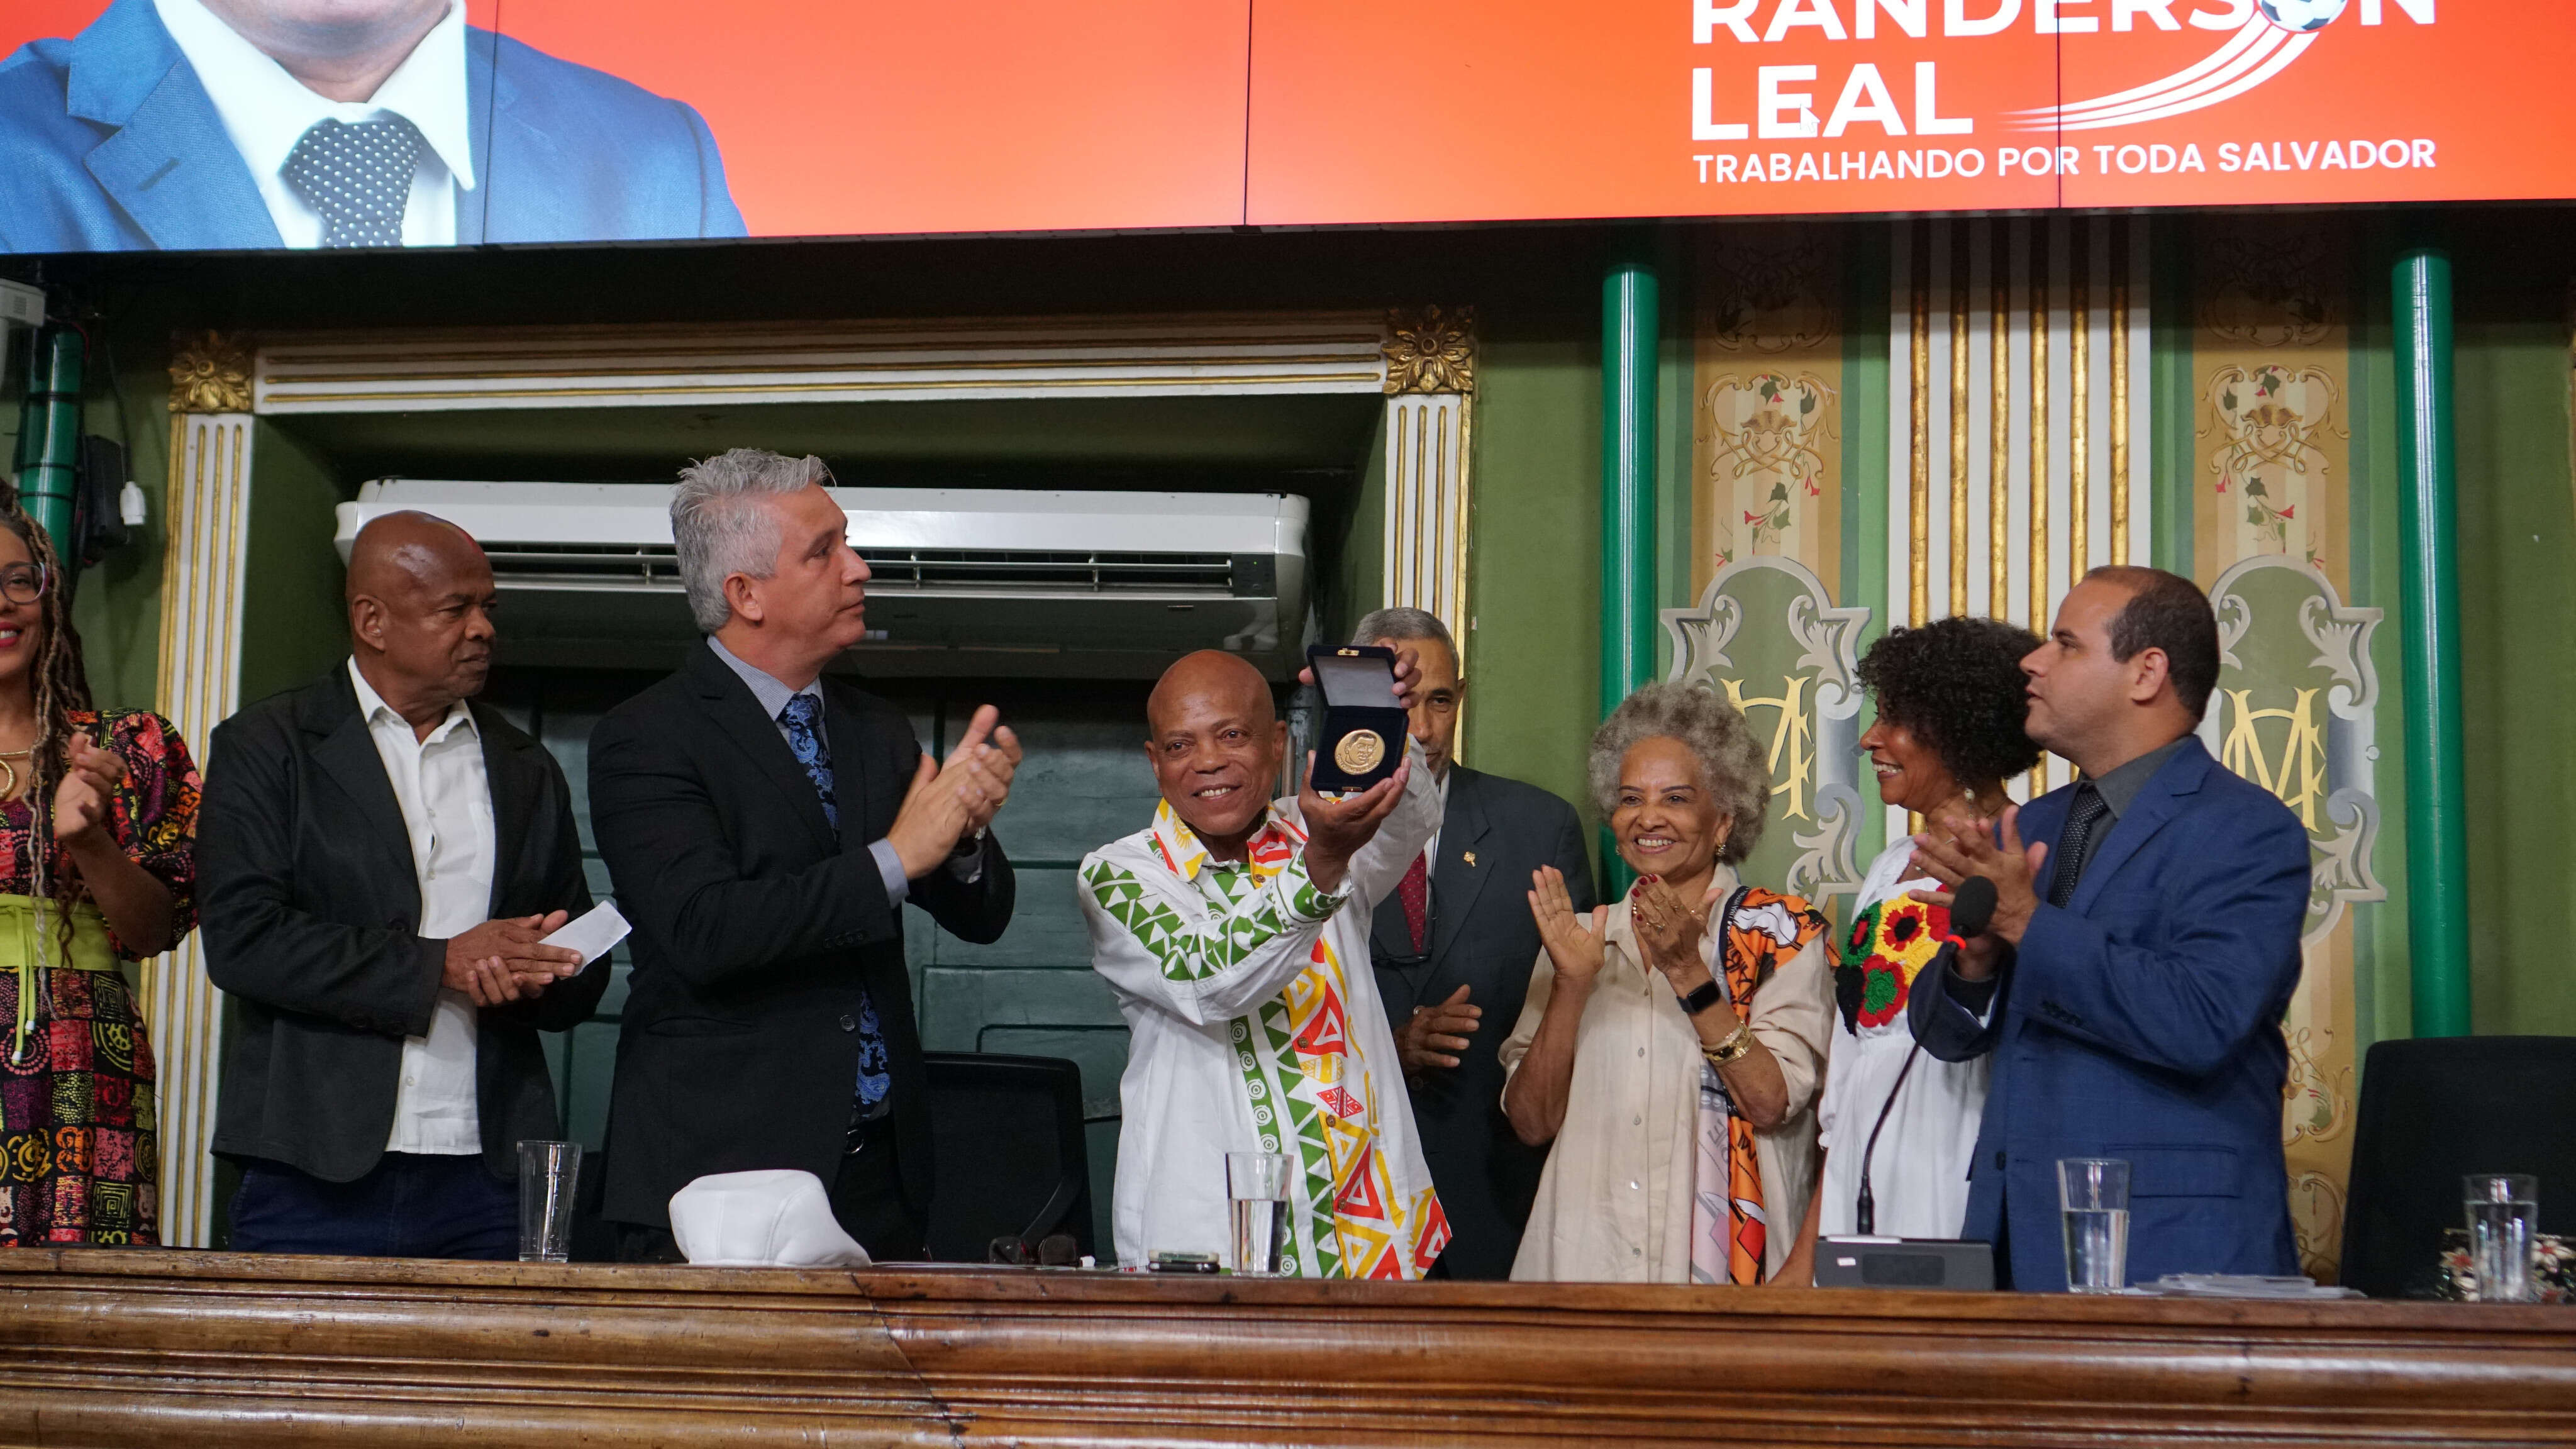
{"x":966,"y":581}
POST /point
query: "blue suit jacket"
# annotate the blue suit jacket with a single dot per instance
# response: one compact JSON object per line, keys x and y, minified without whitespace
{"x":109,"y":143}
{"x":2143,"y":1021}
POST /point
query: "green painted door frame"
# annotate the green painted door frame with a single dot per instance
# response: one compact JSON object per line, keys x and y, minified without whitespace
{"x":1631,"y":303}
{"x":2437,"y":869}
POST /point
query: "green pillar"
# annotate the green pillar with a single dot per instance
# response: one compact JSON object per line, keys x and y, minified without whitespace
{"x":1630,"y":301}
{"x":49,"y":426}
{"x":2437,"y":867}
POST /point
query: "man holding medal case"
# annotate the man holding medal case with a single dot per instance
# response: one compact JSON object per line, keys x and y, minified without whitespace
{"x":1234,"y":929}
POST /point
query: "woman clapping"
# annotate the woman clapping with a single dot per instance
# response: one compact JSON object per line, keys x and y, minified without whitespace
{"x":1672,"y":1044}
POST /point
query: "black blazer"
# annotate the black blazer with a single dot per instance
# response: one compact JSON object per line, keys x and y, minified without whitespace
{"x":310,"y":906}
{"x":756,"y":930}
{"x":1481,"y":937}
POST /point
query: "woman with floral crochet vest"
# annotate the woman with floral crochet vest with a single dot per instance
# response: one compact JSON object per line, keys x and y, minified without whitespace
{"x":98,"y":819}
{"x":1672,"y":1044}
{"x":1949,"y":733}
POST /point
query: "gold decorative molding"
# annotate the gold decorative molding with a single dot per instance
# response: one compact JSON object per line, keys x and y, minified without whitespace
{"x":1430,"y":349}
{"x":1918,"y":422}
{"x":209,"y":373}
{"x":2119,"y":393}
{"x":2079,"y":392}
{"x":1958,"y":420}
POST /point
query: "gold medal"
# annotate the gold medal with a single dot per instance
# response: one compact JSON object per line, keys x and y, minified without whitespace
{"x":1359,"y":751}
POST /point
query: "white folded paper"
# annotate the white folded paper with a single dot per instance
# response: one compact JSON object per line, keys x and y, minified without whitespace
{"x":594,"y":935}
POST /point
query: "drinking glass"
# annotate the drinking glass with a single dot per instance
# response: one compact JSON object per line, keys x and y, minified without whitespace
{"x":2504,"y":1213}
{"x":549,"y":1174}
{"x":2093,"y":1195}
{"x":1257,"y":1182}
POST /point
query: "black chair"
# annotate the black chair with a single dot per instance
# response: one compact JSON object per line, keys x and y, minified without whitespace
{"x":1008,"y":1134}
{"x":2432,"y":1112}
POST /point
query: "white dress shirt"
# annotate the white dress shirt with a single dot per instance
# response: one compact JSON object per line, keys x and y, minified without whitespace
{"x":446,"y":801}
{"x":266,"y":111}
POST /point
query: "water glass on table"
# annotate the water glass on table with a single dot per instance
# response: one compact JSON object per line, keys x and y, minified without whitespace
{"x":549,"y":1176}
{"x":2504,"y":1223}
{"x":1257,"y":1183}
{"x":2093,"y":1194}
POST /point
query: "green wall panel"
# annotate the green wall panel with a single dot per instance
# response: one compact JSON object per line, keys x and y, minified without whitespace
{"x":2517,"y":533}
{"x":1534,"y":566}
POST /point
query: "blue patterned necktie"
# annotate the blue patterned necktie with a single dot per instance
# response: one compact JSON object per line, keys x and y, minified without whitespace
{"x":357,"y":178}
{"x":2075,"y":846}
{"x":802,"y":719}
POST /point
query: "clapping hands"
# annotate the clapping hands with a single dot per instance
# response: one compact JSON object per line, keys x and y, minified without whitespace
{"x":947,"y":803}
{"x":1574,"y":943}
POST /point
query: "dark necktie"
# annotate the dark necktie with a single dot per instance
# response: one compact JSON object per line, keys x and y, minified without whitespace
{"x":358,"y":178}
{"x":2084,"y":821}
{"x":1414,"y":891}
{"x":802,"y":718}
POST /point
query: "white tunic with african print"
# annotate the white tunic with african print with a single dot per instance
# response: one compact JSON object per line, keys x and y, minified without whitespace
{"x":1256,"y":1025}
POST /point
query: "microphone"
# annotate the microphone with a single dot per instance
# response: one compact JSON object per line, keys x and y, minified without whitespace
{"x":1972,"y":910}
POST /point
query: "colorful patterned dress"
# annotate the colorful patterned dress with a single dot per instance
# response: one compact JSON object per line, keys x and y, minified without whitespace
{"x":1255,"y":1026}
{"x":79,"y":1135}
{"x":1919,"y":1175}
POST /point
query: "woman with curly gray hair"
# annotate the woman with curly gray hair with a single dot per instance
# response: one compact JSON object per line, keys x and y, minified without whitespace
{"x":1672,"y":1044}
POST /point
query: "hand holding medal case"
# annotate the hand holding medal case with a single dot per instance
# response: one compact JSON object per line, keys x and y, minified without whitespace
{"x":1362,"y":739}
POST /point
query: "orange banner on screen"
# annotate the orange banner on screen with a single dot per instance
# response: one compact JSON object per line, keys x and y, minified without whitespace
{"x":1470,"y":110}
{"x":230,"y":124}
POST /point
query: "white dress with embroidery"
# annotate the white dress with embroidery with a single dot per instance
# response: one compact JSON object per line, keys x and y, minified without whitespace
{"x":1919,"y":1174}
{"x":1256,"y":1026}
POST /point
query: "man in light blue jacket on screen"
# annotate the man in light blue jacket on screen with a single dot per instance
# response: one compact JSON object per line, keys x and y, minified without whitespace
{"x":2144,"y":947}
{"x":245,"y":124}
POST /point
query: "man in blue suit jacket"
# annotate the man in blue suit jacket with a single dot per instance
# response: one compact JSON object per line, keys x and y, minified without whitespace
{"x":2143,"y":950}
{"x":112,"y":141}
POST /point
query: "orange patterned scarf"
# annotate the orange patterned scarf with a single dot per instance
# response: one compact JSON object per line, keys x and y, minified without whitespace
{"x":1730,"y":1225}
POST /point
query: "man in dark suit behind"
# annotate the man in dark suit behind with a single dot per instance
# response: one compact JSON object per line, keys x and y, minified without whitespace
{"x":764,"y":826}
{"x":2144,"y":947}
{"x":378,"y":859}
{"x":1454,"y":945}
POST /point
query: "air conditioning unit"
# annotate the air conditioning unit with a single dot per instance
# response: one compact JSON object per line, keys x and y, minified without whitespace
{"x":964,"y":582}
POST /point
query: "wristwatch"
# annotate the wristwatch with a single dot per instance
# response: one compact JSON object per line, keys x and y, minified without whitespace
{"x":1702,"y":997}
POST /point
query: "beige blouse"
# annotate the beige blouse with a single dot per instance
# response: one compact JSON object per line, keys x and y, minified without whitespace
{"x":1614,"y":1205}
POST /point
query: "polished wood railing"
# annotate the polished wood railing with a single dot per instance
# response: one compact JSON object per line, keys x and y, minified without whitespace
{"x":105,"y":1348}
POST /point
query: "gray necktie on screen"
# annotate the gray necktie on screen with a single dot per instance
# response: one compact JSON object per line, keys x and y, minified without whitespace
{"x":357,"y":177}
{"x":2083,"y":822}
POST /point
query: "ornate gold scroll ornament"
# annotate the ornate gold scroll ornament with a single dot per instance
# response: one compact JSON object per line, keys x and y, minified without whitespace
{"x":1430,"y":349}
{"x":209,"y":373}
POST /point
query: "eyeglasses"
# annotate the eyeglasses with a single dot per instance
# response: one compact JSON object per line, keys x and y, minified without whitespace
{"x":23,"y":583}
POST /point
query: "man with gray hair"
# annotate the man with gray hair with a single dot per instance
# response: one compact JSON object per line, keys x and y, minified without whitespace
{"x":763,"y":826}
{"x":1454,"y":946}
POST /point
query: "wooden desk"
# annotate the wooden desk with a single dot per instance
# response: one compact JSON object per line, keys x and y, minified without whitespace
{"x":144,"y":1348}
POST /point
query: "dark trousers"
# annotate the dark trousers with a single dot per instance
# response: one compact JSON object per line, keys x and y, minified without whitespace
{"x":867,"y":1200}
{"x":410,"y":1206}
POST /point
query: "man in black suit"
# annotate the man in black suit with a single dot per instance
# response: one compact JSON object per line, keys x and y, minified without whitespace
{"x":764,"y":826}
{"x":1454,"y":946}
{"x":378,"y":861}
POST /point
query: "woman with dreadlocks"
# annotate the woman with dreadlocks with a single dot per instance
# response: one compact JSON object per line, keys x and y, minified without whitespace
{"x":98,"y":820}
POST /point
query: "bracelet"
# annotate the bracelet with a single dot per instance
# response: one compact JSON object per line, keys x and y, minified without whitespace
{"x":1731,"y":1050}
